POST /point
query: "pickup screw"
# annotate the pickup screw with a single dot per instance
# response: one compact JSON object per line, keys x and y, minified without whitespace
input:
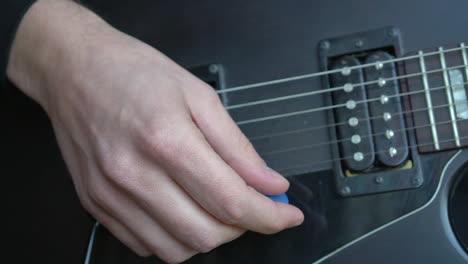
{"x":383,"y":99}
{"x":353,"y":121}
{"x":378,"y":180}
{"x":325,"y":45}
{"x":415,"y":181}
{"x":345,"y":191}
{"x":389,"y":133}
{"x":358,"y":156}
{"x":381,"y":82}
{"x":351,"y":104}
{"x":387,"y":116}
{"x":392,"y":152}
{"x":346,"y":71}
{"x":348,"y":87}
{"x":356,"y":139}
{"x":213,"y":68}
{"x":392,"y":32}
{"x":378,"y":65}
{"x":359,"y":43}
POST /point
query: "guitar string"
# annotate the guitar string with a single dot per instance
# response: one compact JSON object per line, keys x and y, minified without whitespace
{"x":274,"y":152}
{"x":318,"y":74}
{"x":308,"y":129}
{"x":359,"y":119}
{"x":311,"y":110}
{"x":338,"y":88}
{"x":365,"y":154}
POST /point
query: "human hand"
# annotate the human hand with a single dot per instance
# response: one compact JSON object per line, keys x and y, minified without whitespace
{"x":152,"y":153}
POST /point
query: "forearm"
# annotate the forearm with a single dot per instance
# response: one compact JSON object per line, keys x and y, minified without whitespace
{"x":53,"y":40}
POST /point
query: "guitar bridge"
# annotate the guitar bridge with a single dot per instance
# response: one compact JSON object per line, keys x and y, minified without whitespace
{"x":373,"y":150}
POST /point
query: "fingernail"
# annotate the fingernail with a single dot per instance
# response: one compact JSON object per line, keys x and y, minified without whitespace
{"x":299,"y":221}
{"x":276,"y":176}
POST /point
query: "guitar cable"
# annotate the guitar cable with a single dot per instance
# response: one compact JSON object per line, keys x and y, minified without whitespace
{"x":89,"y":250}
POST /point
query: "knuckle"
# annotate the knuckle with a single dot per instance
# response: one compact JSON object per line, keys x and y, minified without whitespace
{"x":114,"y":164}
{"x":247,"y":150}
{"x":118,"y":169}
{"x":206,"y":242}
{"x":245,"y":145}
{"x":169,"y":255}
{"x":159,"y":140}
{"x":235,"y":210}
{"x":212,"y":99}
{"x":273,"y":227}
{"x":96,"y":194}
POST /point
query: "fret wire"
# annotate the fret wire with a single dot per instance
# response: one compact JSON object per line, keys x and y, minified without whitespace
{"x":365,"y":154}
{"x":318,"y":74}
{"x":317,"y":92}
{"x":449,"y":97}
{"x":273,"y":152}
{"x":311,"y":110}
{"x":422,"y":64}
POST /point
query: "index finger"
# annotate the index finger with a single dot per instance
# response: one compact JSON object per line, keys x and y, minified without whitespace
{"x":211,"y":182}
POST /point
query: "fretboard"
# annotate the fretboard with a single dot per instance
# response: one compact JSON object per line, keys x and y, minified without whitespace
{"x":439,"y":104}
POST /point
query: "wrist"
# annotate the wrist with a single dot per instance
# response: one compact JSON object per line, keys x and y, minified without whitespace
{"x":52,"y":43}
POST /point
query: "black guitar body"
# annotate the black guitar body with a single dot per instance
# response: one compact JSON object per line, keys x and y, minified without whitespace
{"x":250,"y":42}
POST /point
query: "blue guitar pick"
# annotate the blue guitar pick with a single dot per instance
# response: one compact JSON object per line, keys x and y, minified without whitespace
{"x":282,"y":198}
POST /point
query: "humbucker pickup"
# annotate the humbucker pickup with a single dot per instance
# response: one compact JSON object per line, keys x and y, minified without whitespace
{"x":374,"y":148}
{"x":368,"y":113}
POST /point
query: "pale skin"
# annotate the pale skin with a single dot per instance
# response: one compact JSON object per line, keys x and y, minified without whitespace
{"x":152,"y":153}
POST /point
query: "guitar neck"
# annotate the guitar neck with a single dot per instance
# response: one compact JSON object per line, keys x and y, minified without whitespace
{"x":438,"y":97}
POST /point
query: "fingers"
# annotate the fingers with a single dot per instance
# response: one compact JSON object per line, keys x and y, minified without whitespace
{"x":77,"y":163}
{"x":231,"y":144}
{"x":162,"y":201}
{"x":214,"y":184}
{"x":120,"y":231}
{"x":148,"y":230}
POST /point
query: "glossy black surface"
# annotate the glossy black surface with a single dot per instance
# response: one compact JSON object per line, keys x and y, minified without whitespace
{"x":423,"y":236}
{"x":253,"y":41}
{"x":458,"y":205}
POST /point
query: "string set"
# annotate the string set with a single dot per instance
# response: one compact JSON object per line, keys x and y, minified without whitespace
{"x":330,"y":107}
{"x":337,"y":88}
{"x":318,"y":74}
{"x":317,"y":92}
{"x":363,"y":119}
{"x":462,"y":48}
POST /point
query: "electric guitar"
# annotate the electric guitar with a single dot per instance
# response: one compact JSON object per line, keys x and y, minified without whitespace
{"x":362,"y":105}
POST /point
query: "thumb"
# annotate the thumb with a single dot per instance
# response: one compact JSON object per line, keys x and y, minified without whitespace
{"x":231,"y":144}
